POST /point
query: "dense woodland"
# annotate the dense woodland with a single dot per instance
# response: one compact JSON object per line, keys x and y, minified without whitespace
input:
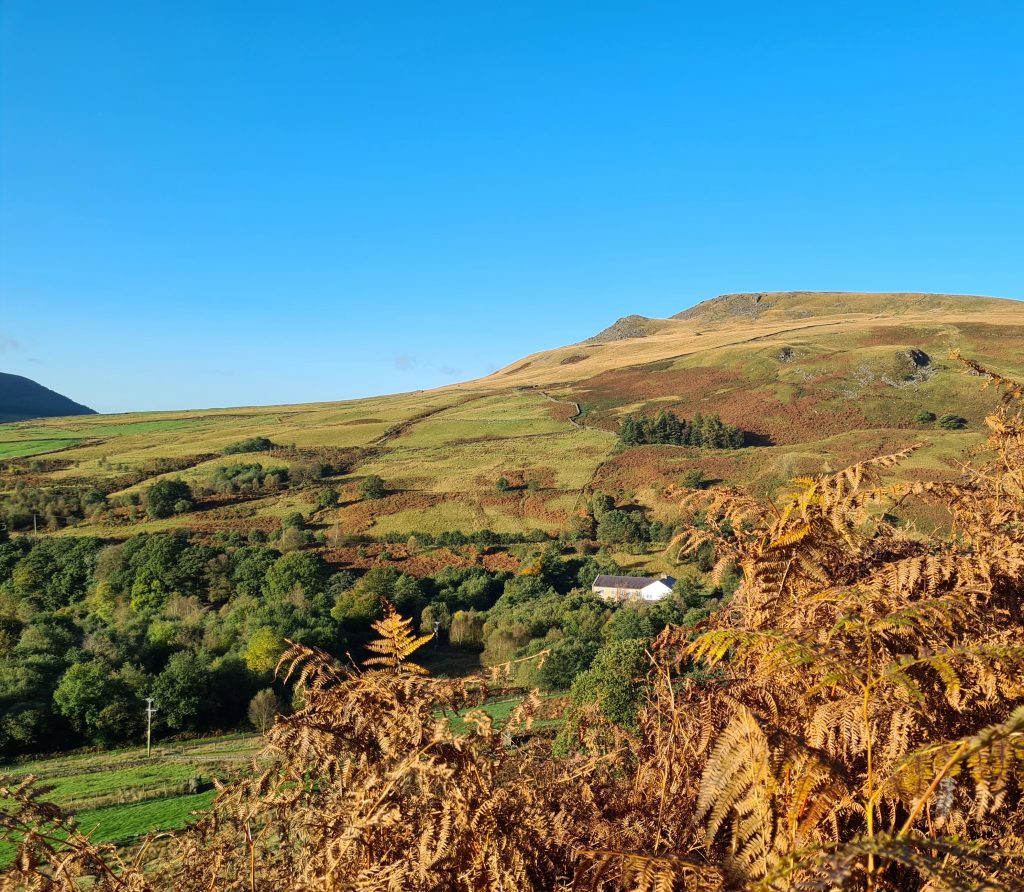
{"x":89,"y":629}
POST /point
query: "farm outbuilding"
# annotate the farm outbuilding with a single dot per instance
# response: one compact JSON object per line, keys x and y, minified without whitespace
{"x":632,"y":588}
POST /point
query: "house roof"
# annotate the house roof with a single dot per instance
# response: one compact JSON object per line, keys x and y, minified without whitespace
{"x":637,"y":582}
{"x":666,"y":582}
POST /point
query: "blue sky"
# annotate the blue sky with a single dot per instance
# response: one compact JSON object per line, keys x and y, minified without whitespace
{"x":230,"y":203}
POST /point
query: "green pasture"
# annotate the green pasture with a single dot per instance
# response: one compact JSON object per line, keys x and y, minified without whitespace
{"x":26,"y":448}
{"x":119,"y":795}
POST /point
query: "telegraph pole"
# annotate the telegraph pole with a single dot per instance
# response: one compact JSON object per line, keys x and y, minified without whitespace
{"x":150,"y":709}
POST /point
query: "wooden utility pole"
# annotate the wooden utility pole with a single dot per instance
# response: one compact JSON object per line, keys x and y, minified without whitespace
{"x":150,"y":709}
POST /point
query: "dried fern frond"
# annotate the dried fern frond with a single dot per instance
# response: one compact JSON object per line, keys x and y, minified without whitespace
{"x":640,"y":872}
{"x":396,"y":643}
{"x":949,"y":863}
{"x":993,"y":758}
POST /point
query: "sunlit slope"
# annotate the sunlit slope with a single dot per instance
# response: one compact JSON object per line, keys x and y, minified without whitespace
{"x":741,"y":319}
{"x":439,"y":452}
{"x":817,"y":381}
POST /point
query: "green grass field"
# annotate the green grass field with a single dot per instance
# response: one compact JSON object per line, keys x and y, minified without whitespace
{"x":124,"y":823}
{"x":120,"y":795}
{"x":27,"y":447}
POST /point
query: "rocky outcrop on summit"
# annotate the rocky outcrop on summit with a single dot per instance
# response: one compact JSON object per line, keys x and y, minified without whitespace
{"x":626,"y":327}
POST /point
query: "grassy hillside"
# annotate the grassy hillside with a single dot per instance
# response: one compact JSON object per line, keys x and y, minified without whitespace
{"x":818,"y":380}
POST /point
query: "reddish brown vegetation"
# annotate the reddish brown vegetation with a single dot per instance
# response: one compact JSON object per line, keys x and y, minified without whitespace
{"x":628,"y":385}
{"x":884,"y":335}
{"x":856,"y":721}
{"x":426,"y":562}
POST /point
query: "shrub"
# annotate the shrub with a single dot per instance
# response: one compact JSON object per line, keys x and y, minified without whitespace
{"x":693,"y":479}
{"x":249,"y":477}
{"x":372,"y":487}
{"x":308,"y":470}
{"x":168,"y":497}
{"x":327,"y":498}
{"x":253,"y":444}
{"x":503,"y":485}
{"x":951,"y":422}
{"x":293,"y":538}
{"x":924,"y":417}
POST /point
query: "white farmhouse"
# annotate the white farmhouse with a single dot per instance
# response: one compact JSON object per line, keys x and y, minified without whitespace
{"x":632,"y":588}
{"x":658,"y":589}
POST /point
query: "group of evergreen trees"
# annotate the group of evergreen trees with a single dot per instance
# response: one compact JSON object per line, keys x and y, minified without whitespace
{"x":667,"y":428}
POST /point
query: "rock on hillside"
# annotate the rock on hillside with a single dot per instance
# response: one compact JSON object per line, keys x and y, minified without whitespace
{"x":626,"y":327}
{"x":22,"y":398}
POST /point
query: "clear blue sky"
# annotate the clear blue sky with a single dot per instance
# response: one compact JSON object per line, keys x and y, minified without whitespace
{"x":209,"y":203}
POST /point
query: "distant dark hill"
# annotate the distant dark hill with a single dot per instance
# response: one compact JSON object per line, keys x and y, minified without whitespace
{"x":22,"y":398}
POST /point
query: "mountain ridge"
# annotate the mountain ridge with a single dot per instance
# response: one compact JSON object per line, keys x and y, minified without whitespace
{"x":22,"y":399}
{"x":732,"y":319}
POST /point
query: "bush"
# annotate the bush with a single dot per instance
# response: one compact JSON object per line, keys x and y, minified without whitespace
{"x":924,"y":417}
{"x":372,"y":487}
{"x":250,"y":477}
{"x":253,"y":444}
{"x":294,"y":538}
{"x":693,"y":479}
{"x":327,"y":498}
{"x":951,"y":422}
{"x":503,"y":485}
{"x":308,"y":470}
{"x":168,"y":497}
